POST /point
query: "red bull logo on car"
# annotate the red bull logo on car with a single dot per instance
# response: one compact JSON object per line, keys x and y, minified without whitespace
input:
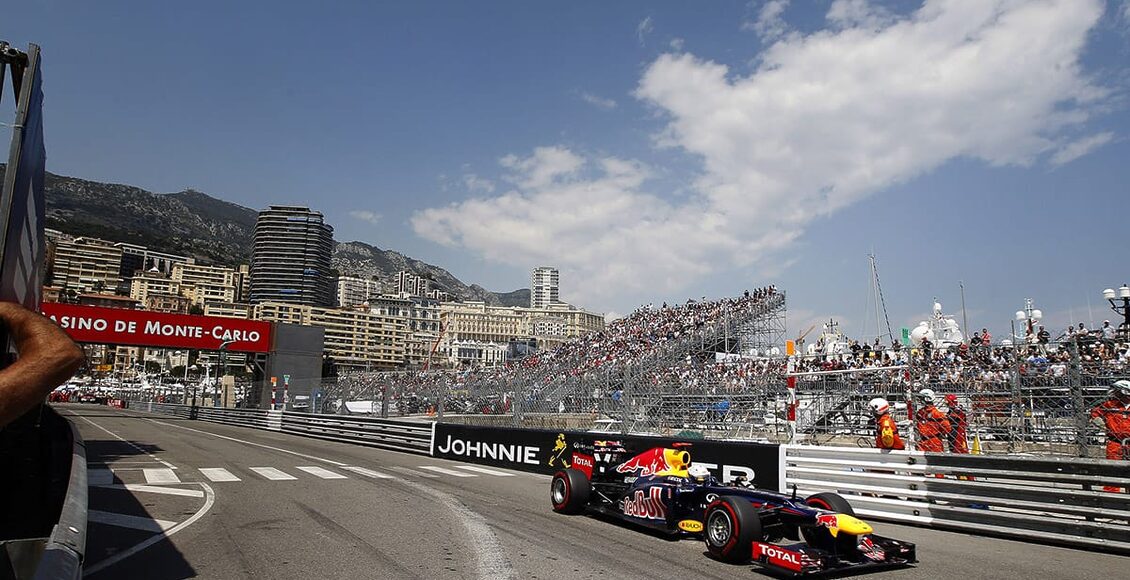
{"x":829,"y":521}
{"x":657,"y":461}
{"x":646,"y":463}
{"x":647,"y":505}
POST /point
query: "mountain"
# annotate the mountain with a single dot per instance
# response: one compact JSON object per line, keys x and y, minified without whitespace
{"x":361,"y":259}
{"x":195,"y":224}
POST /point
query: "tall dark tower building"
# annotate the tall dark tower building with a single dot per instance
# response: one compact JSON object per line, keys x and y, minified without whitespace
{"x":290,"y":261}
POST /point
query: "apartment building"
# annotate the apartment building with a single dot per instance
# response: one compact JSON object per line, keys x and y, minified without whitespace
{"x":152,"y":282}
{"x":228,"y":309}
{"x":359,"y":338}
{"x":203,"y":284}
{"x":85,"y":265}
{"x":354,"y":291}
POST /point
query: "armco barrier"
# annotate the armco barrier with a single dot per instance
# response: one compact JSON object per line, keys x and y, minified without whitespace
{"x":395,"y":435}
{"x":1055,"y":500}
{"x":412,"y":436}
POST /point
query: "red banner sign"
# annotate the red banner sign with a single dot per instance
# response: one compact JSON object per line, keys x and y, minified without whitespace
{"x":158,"y":329}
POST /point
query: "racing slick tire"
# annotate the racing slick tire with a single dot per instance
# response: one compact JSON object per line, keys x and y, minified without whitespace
{"x":569,"y":491}
{"x":731,"y":524}
{"x":819,"y":537}
{"x":830,"y":501}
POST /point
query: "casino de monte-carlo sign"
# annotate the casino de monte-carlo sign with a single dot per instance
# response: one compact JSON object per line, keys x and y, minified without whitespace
{"x":92,"y":324}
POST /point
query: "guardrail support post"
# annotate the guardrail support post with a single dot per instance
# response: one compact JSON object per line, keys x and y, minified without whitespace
{"x":1075,"y":382}
{"x":1016,"y":409}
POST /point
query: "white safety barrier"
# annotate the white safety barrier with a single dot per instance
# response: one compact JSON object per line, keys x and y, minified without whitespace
{"x":1046,"y":499}
{"x":396,"y":435}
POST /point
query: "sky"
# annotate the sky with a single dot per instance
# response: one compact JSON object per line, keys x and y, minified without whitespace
{"x":652,"y":151}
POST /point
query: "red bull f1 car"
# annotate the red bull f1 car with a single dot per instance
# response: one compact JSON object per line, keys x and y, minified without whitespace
{"x":660,"y":489}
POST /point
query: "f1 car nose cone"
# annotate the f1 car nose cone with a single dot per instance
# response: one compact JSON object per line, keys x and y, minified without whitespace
{"x":852,"y":525}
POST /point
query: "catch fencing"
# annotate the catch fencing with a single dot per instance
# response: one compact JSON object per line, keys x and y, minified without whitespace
{"x":1017,"y":399}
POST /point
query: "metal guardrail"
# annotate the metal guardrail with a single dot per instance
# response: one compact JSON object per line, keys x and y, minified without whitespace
{"x":394,"y":435}
{"x":411,"y":436}
{"x":1053,"y":500}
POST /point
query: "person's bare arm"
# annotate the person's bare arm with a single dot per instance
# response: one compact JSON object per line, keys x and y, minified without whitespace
{"x":47,"y":358}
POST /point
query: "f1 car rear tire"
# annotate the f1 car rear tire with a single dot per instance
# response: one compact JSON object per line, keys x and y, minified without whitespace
{"x":820,"y":537}
{"x":569,"y":491}
{"x":731,"y":526}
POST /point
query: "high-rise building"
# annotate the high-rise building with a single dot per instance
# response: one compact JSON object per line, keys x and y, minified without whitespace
{"x":290,"y":259}
{"x":407,"y":282}
{"x":354,"y":291}
{"x":544,"y":287}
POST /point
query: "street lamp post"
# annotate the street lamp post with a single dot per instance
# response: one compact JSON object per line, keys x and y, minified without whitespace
{"x":220,"y":371}
{"x":1114,"y":297}
{"x":1030,"y":316}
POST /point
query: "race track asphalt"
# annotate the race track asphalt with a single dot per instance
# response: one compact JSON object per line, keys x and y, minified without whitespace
{"x":335,"y":510}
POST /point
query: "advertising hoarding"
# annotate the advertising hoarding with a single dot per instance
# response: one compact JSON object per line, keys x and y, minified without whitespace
{"x":97,"y":325}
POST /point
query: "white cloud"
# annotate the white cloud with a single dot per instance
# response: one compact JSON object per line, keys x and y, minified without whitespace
{"x":643,"y":29}
{"x":828,"y":119}
{"x":770,"y":23}
{"x":475,"y":183}
{"x":677,"y":44}
{"x":1080,"y":147}
{"x":545,"y":166}
{"x":858,"y":14}
{"x":597,"y":101}
{"x":366,"y":215}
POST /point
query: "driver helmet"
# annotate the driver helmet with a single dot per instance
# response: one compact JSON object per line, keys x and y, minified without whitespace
{"x":698,"y":472}
{"x":927,"y":396}
{"x":879,"y":406}
{"x":951,"y":399}
{"x":1121,"y":388}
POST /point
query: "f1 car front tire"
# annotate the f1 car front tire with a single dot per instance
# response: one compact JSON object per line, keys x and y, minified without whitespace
{"x":569,"y":491}
{"x":731,"y":526}
{"x":820,"y":537}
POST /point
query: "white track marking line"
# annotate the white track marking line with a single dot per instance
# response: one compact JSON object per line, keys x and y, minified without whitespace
{"x":130,"y":443}
{"x":124,"y":521}
{"x":450,"y":472}
{"x":272,"y":474}
{"x":490,"y":556}
{"x":412,"y":472}
{"x":209,"y":501}
{"x":279,"y":449}
{"x":368,"y":472}
{"x":218,"y":474}
{"x":321,"y":472}
{"x":156,"y":489}
{"x":478,"y":469}
{"x":99,"y":477}
{"x":160,"y":476}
